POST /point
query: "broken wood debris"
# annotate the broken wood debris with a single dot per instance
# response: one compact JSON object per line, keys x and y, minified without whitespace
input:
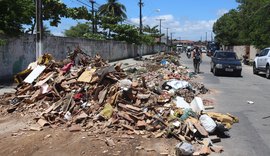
{"x":88,"y":94}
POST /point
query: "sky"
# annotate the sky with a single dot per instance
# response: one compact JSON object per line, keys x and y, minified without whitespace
{"x":186,"y":19}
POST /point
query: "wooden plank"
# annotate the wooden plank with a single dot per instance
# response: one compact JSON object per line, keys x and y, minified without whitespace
{"x":214,"y":138}
{"x":133,"y":108}
{"x":86,"y":76}
{"x":200,"y":128}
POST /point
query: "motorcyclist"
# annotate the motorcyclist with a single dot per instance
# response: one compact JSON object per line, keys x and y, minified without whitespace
{"x":188,"y":53}
{"x":197,"y":58}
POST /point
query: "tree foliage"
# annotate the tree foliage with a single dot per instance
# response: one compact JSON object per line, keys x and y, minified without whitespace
{"x":83,"y":30}
{"x":113,"y":9}
{"x":16,"y":13}
{"x":248,"y":24}
{"x":227,"y":29}
{"x":79,"y":30}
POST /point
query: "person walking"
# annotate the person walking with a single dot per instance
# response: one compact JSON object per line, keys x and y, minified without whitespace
{"x":197,"y":58}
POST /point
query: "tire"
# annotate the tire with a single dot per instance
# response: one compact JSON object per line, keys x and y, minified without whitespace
{"x":255,"y":71}
{"x":215,"y":72}
{"x":238,"y":74}
{"x":267,"y":72}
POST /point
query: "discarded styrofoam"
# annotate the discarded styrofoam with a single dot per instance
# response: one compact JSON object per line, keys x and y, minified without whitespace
{"x":125,"y":84}
{"x":208,"y":123}
{"x":177,"y":84}
{"x":181,"y":103}
{"x":67,"y":116}
{"x":34,"y":74}
{"x":177,"y":124}
{"x":197,"y":104}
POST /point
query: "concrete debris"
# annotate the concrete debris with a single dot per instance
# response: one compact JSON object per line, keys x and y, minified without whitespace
{"x":87,"y":94}
{"x":184,"y":148}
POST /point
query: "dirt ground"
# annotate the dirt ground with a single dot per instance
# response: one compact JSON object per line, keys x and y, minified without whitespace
{"x":15,"y":140}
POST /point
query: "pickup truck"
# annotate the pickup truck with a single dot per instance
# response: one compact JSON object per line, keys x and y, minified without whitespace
{"x":262,"y":62}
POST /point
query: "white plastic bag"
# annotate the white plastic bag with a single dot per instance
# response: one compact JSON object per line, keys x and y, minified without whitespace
{"x":177,"y":84}
{"x":208,"y":123}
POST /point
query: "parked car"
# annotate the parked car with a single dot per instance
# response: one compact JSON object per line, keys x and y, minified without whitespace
{"x":262,"y":62}
{"x":226,"y":62}
{"x":211,"y":48}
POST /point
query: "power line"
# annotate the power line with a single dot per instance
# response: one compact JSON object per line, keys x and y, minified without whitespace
{"x":84,"y":3}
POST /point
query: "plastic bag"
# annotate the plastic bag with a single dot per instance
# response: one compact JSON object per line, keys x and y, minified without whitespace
{"x":208,"y":123}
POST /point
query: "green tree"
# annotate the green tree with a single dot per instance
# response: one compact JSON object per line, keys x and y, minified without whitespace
{"x":227,"y":29}
{"x":16,"y":13}
{"x":79,"y":30}
{"x":126,"y":33}
{"x":113,"y":10}
{"x":130,"y":34}
{"x":248,"y":24}
{"x":83,"y":30}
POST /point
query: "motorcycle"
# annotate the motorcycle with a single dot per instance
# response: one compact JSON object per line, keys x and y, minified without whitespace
{"x":188,"y":54}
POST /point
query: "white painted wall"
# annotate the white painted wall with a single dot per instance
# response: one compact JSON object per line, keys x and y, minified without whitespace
{"x":17,"y":53}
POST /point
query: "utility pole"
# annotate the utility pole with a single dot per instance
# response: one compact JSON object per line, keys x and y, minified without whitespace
{"x":93,"y":16}
{"x":211,"y":36}
{"x":141,"y":24}
{"x":160,"y":20}
{"x":167,"y":37}
{"x":205,"y":37}
{"x":172,"y":41}
{"x":39,"y":28}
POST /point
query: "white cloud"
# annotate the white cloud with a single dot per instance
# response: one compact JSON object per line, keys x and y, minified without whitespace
{"x":186,"y":29}
{"x":221,"y":12}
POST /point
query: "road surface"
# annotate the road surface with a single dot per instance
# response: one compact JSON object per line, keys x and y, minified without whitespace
{"x":250,"y":137}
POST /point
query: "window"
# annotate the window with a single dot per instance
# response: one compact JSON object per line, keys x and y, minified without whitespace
{"x":227,"y":55}
{"x":264,"y":52}
{"x":267,"y":52}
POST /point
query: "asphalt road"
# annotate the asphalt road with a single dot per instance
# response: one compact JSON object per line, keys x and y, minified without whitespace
{"x":251,"y":136}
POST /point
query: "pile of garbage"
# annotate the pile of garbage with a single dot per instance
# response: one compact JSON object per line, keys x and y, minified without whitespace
{"x":157,"y":99}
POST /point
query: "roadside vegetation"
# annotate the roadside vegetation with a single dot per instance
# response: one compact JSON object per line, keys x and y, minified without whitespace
{"x":18,"y":17}
{"x":249,"y":24}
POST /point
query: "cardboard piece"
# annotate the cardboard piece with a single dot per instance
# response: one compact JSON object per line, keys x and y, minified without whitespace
{"x":86,"y":76}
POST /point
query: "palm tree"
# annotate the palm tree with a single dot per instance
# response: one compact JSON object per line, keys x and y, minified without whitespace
{"x":113,"y":9}
{"x":151,"y":30}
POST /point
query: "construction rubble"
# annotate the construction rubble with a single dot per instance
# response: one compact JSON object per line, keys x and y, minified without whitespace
{"x":156,"y":99}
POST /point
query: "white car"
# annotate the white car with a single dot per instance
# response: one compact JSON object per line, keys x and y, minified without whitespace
{"x":262,"y":62}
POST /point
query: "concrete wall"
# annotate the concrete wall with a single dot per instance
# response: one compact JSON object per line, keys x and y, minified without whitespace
{"x":17,"y":53}
{"x":249,"y":50}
